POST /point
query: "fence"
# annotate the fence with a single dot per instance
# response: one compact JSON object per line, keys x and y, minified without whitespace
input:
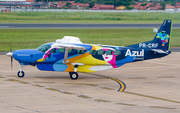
{"x":87,"y":10}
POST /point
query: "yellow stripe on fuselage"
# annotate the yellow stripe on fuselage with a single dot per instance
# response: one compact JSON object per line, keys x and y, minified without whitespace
{"x":85,"y":59}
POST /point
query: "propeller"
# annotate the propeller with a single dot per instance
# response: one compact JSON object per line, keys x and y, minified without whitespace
{"x":10,"y":54}
{"x":11,"y":58}
{"x":11,"y":63}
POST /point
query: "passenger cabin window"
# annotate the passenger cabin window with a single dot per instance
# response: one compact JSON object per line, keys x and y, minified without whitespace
{"x":53,"y":50}
{"x":117,"y":52}
{"x":100,"y":52}
{"x":93,"y":52}
{"x":109,"y":52}
{"x":61,"y":50}
{"x":80,"y":51}
{"x":70,"y":51}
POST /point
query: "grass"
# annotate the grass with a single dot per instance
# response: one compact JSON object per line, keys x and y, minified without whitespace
{"x":87,"y":17}
{"x":32,"y":38}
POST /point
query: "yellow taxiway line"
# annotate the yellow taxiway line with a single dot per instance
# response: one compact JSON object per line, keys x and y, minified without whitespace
{"x":121,"y":83}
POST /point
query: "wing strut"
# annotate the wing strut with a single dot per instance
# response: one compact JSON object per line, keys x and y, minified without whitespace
{"x":67,"y":50}
{"x":67,"y":47}
{"x":66,"y":55}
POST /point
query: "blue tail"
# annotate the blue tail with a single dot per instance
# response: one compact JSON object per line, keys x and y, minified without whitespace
{"x":161,"y":40}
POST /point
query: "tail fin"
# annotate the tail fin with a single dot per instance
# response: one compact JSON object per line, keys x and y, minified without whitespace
{"x":161,"y":40}
{"x":163,"y":36}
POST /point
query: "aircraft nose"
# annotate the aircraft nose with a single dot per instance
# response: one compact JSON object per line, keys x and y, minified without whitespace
{"x":10,"y":54}
{"x":26,"y":55}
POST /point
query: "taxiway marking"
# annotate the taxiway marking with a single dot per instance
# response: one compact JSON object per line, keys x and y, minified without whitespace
{"x":166,"y":77}
{"x":137,"y":78}
{"x":121,"y":83}
{"x":162,"y":107}
{"x":101,"y":100}
{"x":126,"y":104}
{"x":107,"y":88}
{"x":123,"y":87}
{"x":82,"y":84}
{"x":17,"y":81}
{"x":69,"y":93}
{"x":90,"y":85}
{"x":52,"y":89}
{"x":38,"y":85}
{"x":84,"y":96}
{"x":157,"y":98}
{"x":44,"y":82}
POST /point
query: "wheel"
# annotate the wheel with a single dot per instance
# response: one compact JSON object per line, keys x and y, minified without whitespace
{"x":73,"y":75}
{"x":20,"y":74}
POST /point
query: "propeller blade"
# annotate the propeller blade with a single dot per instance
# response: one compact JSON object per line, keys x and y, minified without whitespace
{"x":10,"y":48}
{"x":11,"y":63}
{"x":10,"y":54}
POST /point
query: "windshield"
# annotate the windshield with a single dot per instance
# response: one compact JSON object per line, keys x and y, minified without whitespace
{"x":44,"y":48}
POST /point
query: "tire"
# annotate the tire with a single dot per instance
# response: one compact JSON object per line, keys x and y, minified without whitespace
{"x":20,"y":74}
{"x":73,"y":75}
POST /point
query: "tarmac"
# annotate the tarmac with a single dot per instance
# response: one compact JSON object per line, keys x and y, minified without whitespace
{"x":150,"y":86}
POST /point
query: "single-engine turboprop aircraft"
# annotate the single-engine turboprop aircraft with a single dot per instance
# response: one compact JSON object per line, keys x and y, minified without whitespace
{"x":69,"y":54}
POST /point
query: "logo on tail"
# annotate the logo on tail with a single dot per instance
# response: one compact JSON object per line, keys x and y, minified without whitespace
{"x":164,"y":37}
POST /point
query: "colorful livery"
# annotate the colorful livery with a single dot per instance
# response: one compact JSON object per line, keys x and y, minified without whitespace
{"x":71,"y":55}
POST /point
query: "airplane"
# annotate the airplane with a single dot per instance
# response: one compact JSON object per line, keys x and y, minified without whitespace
{"x":69,"y":54}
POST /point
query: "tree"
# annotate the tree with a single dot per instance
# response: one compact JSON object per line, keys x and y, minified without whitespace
{"x":109,"y":2}
{"x":129,"y":7}
{"x":144,"y":4}
{"x":91,"y":4}
{"x":68,"y":3}
{"x":163,"y":4}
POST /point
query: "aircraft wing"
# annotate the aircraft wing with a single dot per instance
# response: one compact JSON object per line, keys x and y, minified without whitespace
{"x":159,"y":51}
{"x":69,"y":46}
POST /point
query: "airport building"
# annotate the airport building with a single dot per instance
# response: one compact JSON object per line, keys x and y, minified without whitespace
{"x":21,"y":5}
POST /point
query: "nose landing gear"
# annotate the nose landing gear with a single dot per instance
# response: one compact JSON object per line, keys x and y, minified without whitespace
{"x":21,"y":72}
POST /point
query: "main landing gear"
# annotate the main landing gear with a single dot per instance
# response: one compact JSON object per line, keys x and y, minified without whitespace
{"x":21,"y":72}
{"x":73,"y":75}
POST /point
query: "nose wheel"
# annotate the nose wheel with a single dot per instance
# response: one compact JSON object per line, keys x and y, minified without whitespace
{"x":73,"y":75}
{"x":21,"y":72}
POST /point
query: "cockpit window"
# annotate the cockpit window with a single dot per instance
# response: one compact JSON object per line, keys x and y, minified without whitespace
{"x":44,"y":48}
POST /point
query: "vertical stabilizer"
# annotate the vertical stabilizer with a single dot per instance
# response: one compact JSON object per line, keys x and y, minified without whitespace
{"x":161,"y":40}
{"x":163,"y":36}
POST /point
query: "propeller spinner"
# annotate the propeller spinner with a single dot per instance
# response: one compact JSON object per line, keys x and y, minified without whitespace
{"x":10,"y":54}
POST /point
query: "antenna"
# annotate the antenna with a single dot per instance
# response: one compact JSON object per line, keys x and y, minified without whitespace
{"x":124,"y":43}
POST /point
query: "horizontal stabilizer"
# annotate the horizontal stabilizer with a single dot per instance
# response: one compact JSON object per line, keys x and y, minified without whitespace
{"x":159,"y":51}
